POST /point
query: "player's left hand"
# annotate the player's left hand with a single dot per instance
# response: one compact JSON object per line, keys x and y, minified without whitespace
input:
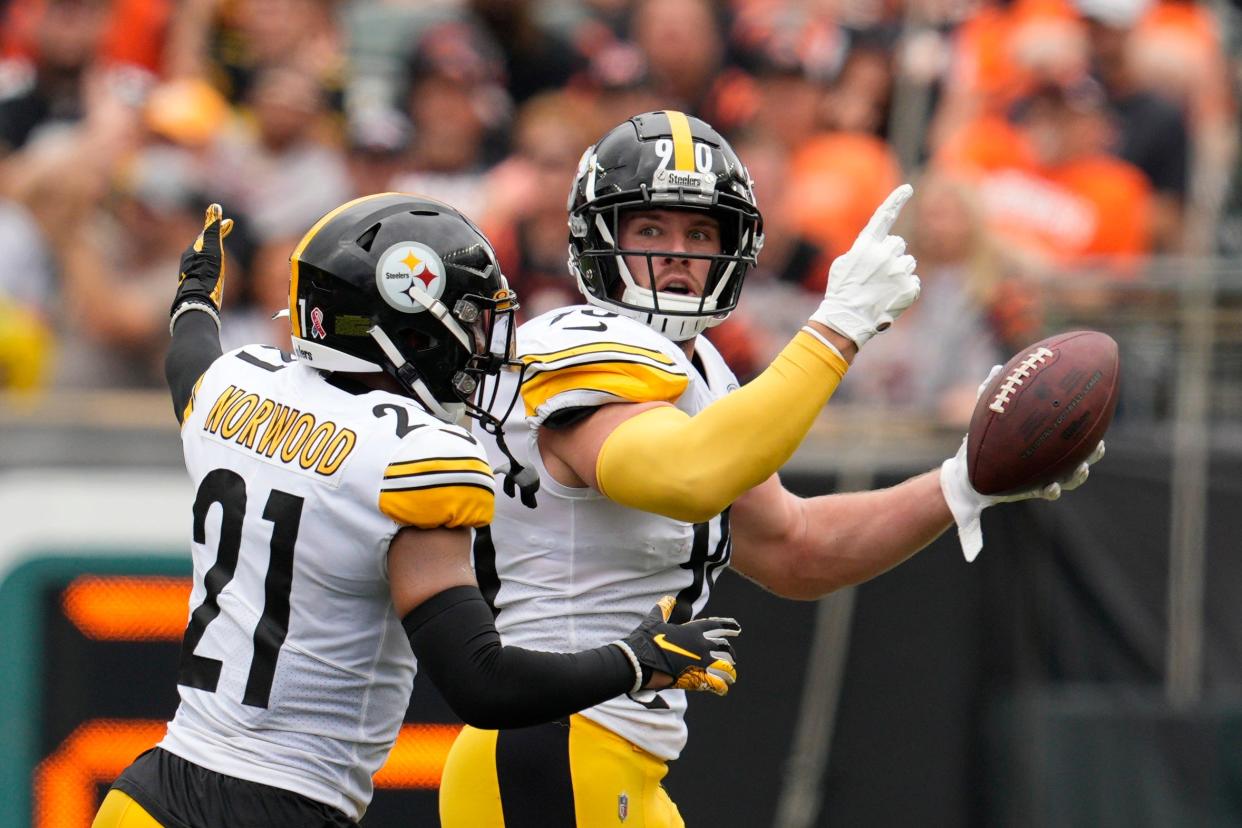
{"x":697,"y":655}
{"x":203,"y":266}
{"x":967,"y":505}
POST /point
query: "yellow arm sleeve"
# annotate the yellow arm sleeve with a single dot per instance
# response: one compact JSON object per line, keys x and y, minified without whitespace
{"x":691,"y":468}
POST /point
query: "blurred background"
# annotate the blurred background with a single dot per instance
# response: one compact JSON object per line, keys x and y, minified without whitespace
{"x":1075,"y":165}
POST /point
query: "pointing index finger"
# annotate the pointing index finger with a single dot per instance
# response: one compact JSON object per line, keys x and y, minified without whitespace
{"x":882,"y":221}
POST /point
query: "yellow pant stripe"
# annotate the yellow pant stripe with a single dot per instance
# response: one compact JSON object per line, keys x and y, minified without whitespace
{"x":119,"y":810}
{"x":615,"y":783}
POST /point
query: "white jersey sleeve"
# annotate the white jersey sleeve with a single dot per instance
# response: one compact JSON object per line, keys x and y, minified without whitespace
{"x":584,"y":357}
{"x":438,"y":476}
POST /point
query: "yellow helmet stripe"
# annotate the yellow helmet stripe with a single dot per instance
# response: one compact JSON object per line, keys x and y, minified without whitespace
{"x":683,"y":144}
{"x":295,"y":318}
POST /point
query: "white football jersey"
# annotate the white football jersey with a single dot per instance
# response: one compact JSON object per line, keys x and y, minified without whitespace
{"x":295,"y":671}
{"x":579,"y":570}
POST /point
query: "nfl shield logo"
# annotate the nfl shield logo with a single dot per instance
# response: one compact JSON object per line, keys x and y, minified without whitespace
{"x":623,"y":806}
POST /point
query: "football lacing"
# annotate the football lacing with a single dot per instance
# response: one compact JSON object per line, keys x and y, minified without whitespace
{"x":1021,"y":372}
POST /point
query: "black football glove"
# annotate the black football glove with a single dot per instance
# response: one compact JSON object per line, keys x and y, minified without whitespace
{"x":202,"y":268}
{"x":698,"y":654}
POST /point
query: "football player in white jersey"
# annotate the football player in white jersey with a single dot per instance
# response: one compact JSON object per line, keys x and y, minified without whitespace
{"x":657,"y":471}
{"x":335,"y":497}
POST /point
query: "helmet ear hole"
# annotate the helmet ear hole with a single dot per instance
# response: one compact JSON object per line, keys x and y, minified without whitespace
{"x":368,"y":238}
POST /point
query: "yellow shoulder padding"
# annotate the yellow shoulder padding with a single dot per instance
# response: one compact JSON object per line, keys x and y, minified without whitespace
{"x":631,"y":381}
{"x":435,"y":506}
{"x":692,"y":468}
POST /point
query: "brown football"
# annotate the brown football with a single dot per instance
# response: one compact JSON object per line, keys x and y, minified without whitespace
{"x":1044,"y":413}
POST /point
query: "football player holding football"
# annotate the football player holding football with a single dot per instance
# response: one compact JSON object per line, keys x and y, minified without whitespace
{"x":335,"y":497}
{"x":655,"y":470}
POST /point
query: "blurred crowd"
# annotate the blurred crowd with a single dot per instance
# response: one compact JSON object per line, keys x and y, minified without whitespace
{"x":1044,"y":137}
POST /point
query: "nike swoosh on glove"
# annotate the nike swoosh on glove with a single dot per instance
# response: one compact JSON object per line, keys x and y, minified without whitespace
{"x":698,"y":654}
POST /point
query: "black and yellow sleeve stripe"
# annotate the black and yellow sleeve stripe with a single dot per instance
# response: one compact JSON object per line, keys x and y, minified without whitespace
{"x":627,"y":372}
{"x":439,"y":492}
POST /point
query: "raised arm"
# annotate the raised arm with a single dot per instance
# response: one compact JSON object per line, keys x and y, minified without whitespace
{"x":659,"y":459}
{"x":195,"y":313}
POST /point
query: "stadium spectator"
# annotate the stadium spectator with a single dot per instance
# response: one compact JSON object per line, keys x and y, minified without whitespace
{"x":26,"y":300}
{"x":376,"y":142}
{"x":536,"y":57}
{"x":459,"y":110}
{"x":1003,"y":52}
{"x":1176,"y":50}
{"x":234,"y":44}
{"x":133,"y":33}
{"x":44,"y":87}
{"x":278,"y":165}
{"x":1152,"y":130}
{"x":793,"y":61}
{"x":115,"y":262}
{"x":686,"y":52}
{"x":1051,"y":191}
{"x":614,"y":84}
{"x":525,"y":207}
{"x":838,"y":175}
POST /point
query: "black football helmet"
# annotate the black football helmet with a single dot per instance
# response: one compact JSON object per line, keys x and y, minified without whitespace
{"x":409,"y":286}
{"x":656,"y":160}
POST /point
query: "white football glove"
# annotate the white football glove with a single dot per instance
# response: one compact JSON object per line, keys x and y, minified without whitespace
{"x":967,"y":505}
{"x":873,"y":282}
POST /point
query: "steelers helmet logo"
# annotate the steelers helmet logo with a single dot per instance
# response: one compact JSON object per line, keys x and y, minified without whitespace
{"x":405,"y":266}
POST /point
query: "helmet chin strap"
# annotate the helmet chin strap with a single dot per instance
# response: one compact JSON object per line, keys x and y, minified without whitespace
{"x":408,"y":376}
{"x":516,"y":476}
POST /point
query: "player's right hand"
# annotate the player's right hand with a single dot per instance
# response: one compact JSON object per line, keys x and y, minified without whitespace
{"x":966,"y":505}
{"x":202,"y":265}
{"x":873,"y":282}
{"x":697,"y":655}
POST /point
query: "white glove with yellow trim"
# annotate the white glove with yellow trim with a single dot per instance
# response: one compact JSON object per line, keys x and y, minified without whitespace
{"x":873,"y":282}
{"x":967,"y":505}
{"x":697,"y":655}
